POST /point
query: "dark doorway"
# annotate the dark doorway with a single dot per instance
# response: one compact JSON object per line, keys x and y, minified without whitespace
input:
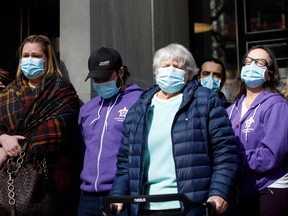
{"x":264,"y":23}
{"x":229,"y":28}
{"x":20,"y":18}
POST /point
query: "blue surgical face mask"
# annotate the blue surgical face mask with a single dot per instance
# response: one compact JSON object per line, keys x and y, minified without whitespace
{"x":253,"y":75}
{"x":211,"y":83}
{"x":170,"y":79}
{"x":107,"y":89}
{"x":32,"y":67}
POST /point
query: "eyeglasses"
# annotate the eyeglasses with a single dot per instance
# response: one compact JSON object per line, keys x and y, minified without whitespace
{"x":214,"y":73}
{"x":259,"y":61}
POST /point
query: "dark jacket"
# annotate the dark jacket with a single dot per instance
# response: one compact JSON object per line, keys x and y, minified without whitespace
{"x":224,"y":100}
{"x":204,"y":147}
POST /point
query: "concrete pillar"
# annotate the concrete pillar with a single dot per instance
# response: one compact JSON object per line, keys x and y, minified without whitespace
{"x":74,"y":44}
{"x":136,"y":28}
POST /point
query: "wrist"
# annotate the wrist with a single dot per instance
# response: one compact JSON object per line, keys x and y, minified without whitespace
{"x":3,"y":156}
{"x":2,"y":136}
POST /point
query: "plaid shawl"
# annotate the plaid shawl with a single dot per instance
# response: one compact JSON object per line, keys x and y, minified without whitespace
{"x":43,"y":115}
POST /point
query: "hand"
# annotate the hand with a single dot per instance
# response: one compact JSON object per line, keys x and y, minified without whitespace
{"x":116,"y":207}
{"x":3,"y":156}
{"x":11,"y":145}
{"x":220,"y":204}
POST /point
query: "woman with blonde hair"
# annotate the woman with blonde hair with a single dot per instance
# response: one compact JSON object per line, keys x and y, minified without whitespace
{"x":39,"y":111}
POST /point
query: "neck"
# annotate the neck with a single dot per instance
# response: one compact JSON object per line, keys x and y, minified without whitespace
{"x":165,"y":96}
{"x":251,"y":94}
{"x":33,"y":82}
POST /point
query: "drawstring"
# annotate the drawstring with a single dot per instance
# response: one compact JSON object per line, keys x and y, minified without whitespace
{"x":255,"y":111}
{"x":230,"y":115}
{"x":98,"y":114}
{"x":101,"y":142}
{"x":248,"y":122}
{"x":109,"y":110}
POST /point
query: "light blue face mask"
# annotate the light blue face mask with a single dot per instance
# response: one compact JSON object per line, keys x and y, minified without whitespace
{"x":32,"y":67}
{"x":170,"y":79}
{"x":253,"y":75}
{"x":107,"y":89}
{"x":211,"y":83}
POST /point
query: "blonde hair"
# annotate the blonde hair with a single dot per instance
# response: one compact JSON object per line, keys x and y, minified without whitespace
{"x":52,"y":67}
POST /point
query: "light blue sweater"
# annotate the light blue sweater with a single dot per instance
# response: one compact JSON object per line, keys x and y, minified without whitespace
{"x":161,"y":175}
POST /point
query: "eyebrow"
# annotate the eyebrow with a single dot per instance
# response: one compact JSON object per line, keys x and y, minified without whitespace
{"x":258,"y":59}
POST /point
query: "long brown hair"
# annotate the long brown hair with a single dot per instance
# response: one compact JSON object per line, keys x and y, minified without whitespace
{"x":273,"y":72}
{"x":52,"y":63}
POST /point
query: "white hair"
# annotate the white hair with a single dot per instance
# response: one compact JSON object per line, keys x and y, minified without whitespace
{"x":175,"y":52}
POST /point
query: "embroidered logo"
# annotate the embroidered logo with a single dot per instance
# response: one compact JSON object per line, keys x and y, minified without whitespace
{"x":122,"y":114}
{"x":105,"y":63}
{"x":247,"y":129}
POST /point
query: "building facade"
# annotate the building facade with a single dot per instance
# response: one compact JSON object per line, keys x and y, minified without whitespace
{"x":223,"y":29}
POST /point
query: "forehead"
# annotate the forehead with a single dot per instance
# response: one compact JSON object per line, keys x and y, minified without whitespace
{"x":32,"y":48}
{"x":259,"y":53}
{"x":169,"y":61}
{"x":211,"y":66}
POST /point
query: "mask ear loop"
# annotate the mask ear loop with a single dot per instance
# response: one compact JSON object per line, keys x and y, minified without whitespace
{"x":270,"y":74}
{"x":120,"y":83}
{"x":45,"y":68}
{"x":269,"y":71}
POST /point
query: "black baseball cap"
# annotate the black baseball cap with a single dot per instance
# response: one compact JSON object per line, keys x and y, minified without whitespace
{"x":103,"y":62}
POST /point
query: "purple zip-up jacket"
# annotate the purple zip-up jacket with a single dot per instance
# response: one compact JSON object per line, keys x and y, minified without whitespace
{"x":101,"y":123}
{"x":262,"y":135}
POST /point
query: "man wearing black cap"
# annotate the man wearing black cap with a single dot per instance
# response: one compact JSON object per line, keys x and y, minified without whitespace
{"x":101,"y":121}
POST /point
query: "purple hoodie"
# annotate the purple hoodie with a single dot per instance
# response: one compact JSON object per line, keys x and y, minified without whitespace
{"x":101,"y":122}
{"x":262,"y":135}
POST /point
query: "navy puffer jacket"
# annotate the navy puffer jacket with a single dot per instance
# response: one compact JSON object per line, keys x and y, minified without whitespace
{"x":204,"y":147}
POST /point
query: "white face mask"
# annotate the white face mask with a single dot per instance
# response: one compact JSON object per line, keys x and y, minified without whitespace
{"x":170,"y":79}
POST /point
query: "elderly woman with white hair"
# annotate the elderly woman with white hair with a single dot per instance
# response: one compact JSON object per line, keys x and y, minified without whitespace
{"x":177,"y":138}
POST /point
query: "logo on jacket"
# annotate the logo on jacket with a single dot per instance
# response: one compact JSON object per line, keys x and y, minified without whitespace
{"x":247,"y":129}
{"x":122,"y":114}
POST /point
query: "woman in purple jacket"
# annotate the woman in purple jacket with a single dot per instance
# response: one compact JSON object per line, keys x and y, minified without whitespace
{"x":259,"y":118}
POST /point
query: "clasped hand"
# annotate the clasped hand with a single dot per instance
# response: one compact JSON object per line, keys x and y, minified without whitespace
{"x":10,"y":144}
